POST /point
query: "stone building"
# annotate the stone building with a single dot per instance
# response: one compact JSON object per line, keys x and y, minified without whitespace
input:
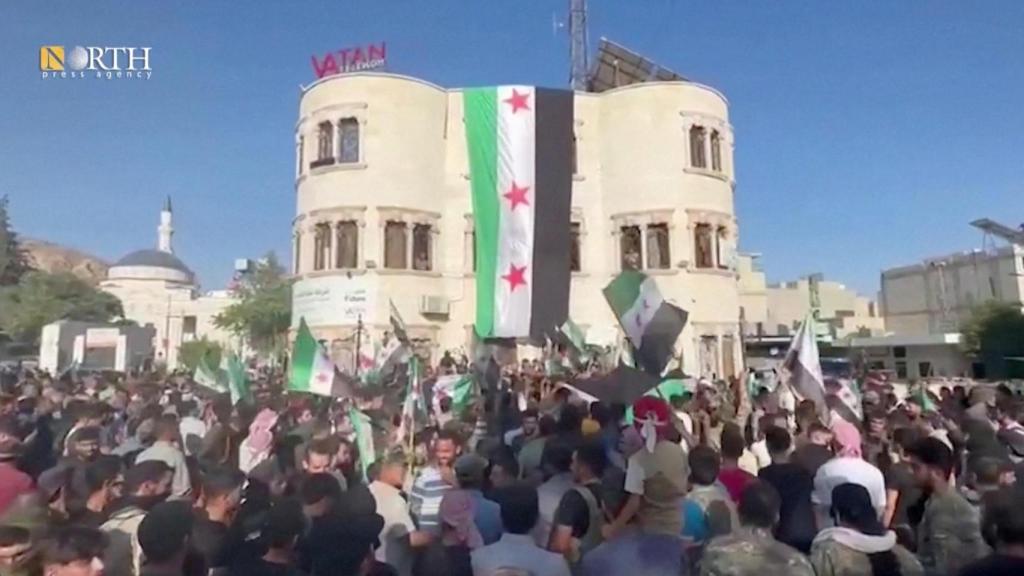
{"x":383,"y":212}
{"x":158,"y":290}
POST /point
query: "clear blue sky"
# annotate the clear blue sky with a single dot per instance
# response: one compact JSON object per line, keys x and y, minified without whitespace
{"x":868,"y":133}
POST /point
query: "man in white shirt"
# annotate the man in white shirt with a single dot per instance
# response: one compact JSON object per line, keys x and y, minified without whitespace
{"x":167,"y":449}
{"x":517,"y":549}
{"x":847,"y":466}
{"x":399,"y":532}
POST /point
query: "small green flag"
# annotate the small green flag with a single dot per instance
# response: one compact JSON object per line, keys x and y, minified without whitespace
{"x":364,"y":438}
{"x":458,"y":387}
{"x":208,"y":377}
{"x":238,"y":381}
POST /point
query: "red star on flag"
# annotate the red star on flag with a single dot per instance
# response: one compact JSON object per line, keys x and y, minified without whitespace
{"x":516,"y":277}
{"x":321,"y":377}
{"x":518,"y":101}
{"x":517,"y":196}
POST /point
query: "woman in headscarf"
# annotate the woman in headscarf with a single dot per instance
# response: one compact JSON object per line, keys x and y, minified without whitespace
{"x":450,"y":555}
{"x":858,"y":545}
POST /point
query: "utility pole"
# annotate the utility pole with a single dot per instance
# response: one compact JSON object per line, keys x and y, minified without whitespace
{"x":578,"y":43}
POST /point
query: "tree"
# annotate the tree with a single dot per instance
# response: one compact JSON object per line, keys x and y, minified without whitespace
{"x":263,"y":312}
{"x":14,"y":262}
{"x":40,"y":298}
{"x":190,"y":353}
{"x":994,"y":332}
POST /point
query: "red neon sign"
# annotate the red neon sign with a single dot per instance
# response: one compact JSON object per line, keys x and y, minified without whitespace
{"x":350,"y":60}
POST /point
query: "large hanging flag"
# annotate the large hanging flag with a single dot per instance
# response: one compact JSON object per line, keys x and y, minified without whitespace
{"x":238,"y":381}
{"x":520,"y":144}
{"x":209,"y":377}
{"x":651,"y":324}
{"x":804,"y":367}
{"x":312,"y":371}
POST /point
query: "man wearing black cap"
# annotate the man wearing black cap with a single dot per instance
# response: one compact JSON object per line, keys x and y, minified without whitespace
{"x":280,"y":532}
{"x":164,"y":536}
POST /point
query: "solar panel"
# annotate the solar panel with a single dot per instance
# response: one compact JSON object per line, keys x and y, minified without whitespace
{"x":617,"y":66}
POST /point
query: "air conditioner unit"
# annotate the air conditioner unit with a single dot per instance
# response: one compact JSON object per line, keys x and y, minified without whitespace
{"x":434,"y":305}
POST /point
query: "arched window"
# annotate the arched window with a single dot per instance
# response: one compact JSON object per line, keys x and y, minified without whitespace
{"x":325,"y":145}
{"x":349,"y":128}
{"x":347,"y":239}
{"x":698,"y":157}
{"x":716,"y":151}
{"x":703,"y":241}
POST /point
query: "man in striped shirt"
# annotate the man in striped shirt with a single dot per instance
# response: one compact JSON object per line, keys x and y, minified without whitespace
{"x":433,"y":481}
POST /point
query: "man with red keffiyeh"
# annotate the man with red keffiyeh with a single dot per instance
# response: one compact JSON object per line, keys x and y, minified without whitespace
{"x":656,"y":475}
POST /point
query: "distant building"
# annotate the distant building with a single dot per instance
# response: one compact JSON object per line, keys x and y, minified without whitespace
{"x":937,"y":295}
{"x":778,"y":309}
{"x":158,"y":290}
{"x":94,"y":346}
{"x":910,"y":357}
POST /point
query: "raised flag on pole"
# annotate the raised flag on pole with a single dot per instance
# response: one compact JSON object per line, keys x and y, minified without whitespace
{"x":311,"y":371}
{"x":520,"y":145}
{"x":397,"y":324}
{"x":574,"y":335}
{"x":804,"y":367}
{"x":237,"y":379}
{"x":651,"y":324}
{"x":208,"y":377}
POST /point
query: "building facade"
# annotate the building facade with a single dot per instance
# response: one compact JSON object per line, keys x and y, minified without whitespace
{"x":778,"y":309}
{"x":159,"y":291}
{"x":936,"y":296}
{"x":384,"y":212}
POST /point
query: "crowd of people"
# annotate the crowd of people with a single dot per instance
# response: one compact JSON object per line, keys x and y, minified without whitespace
{"x":156,"y":477}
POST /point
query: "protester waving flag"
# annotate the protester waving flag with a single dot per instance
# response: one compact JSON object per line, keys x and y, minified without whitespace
{"x":397,"y":324}
{"x":520,"y":146}
{"x":651,"y":324}
{"x":209,"y":378}
{"x":574,"y":335}
{"x":804,"y":367}
{"x":312,"y":371}
{"x":237,"y":380}
{"x":458,"y":387}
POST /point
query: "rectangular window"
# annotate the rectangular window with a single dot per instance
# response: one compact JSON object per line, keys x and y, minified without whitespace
{"x":702,"y":241}
{"x":901,"y":370}
{"x":325,"y":146}
{"x":422,"y":256}
{"x":658,"y":257}
{"x":899,"y":351}
{"x":347,"y":238}
{"x":698,"y":157}
{"x":302,"y":154}
{"x":924,"y":369}
{"x":297,"y":259}
{"x":574,"y":247}
{"x":349,"y":141}
{"x":394,"y":245}
{"x":471,"y":250}
{"x":716,"y":151}
{"x":721,"y":248}
{"x":575,"y":158}
{"x":188,"y":325}
{"x":630,"y":247}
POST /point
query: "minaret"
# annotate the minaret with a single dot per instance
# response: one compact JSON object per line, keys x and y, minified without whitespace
{"x":166,"y":229}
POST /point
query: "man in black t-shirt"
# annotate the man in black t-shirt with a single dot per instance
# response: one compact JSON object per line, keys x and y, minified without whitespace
{"x":576,"y":528}
{"x":279,"y":533}
{"x":794,"y":485}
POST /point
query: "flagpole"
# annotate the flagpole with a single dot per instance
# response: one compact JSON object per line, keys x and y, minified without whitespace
{"x":359,"y":333}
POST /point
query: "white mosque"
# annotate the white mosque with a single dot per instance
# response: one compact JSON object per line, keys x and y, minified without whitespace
{"x":158,"y":290}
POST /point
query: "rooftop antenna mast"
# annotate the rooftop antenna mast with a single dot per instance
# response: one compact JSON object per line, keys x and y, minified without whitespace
{"x":578,"y":43}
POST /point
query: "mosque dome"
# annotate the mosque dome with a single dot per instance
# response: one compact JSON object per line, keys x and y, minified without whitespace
{"x":150,"y":265}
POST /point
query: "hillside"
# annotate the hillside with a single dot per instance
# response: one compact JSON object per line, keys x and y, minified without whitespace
{"x":51,"y":257}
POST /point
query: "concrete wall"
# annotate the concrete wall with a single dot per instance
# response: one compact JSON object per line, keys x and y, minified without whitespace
{"x":937,"y":295}
{"x":945,"y":359}
{"x":633,"y":168}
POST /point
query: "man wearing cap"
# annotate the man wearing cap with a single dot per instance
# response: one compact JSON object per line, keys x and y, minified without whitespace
{"x":656,"y":475}
{"x":469,"y":474}
{"x":164,"y":536}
